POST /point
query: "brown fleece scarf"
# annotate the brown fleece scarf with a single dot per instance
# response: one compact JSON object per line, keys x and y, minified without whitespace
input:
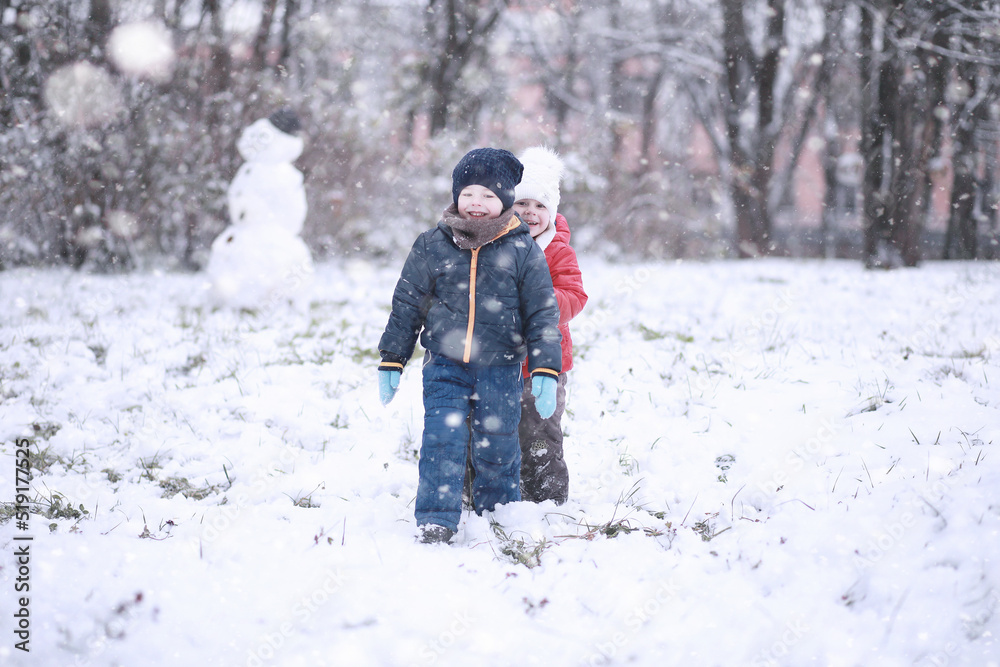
{"x":471,"y":234}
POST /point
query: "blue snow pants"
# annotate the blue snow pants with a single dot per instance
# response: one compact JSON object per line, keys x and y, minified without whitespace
{"x":458,"y":396}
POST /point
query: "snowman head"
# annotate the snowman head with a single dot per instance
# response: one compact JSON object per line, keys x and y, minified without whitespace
{"x":266,"y":141}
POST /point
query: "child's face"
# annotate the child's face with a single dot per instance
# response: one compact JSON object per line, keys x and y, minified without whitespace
{"x":476,"y":202}
{"x":534,"y":213}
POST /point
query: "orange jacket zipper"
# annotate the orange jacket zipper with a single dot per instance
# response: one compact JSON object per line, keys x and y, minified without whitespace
{"x":472,"y":306}
{"x":513,"y":224}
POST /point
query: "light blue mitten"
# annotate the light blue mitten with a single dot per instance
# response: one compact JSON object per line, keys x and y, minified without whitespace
{"x":543,"y":388}
{"x":388,"y":383}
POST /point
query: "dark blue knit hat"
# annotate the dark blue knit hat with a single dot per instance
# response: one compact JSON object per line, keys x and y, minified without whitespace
{"x":286,"y":120}
{"x":492,"y":168}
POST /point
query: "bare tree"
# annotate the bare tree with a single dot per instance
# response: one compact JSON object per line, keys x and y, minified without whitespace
{"x":629,"y":88}
{"x":459,"y":32}
{"x":261,"y":42}
{"x":890,"y":162}
{"x":911,"y":52}
{"x":751,"y":147}
{"x":838,"y":117}
{"x":220,"y":72}
{"x":974,"y":136}
{"x":763,"y":104}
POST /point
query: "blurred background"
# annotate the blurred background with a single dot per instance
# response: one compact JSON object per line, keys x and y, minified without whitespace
{"x":691,"y":128}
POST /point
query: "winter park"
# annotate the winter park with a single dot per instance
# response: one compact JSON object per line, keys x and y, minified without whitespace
{"x":723,"y":275}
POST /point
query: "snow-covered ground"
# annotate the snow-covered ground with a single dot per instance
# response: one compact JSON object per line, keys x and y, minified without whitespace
{"x":772,"y":463}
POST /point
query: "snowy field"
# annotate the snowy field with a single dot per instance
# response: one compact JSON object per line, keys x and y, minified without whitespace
{"x":772,"y":463}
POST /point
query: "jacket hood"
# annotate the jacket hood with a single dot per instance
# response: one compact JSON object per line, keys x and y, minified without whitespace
{"x":562,"y":230}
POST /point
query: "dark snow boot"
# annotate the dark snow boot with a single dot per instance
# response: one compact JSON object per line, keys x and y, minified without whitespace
{"x":431,"y":533}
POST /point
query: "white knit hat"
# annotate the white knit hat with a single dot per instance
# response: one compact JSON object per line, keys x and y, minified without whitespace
{"x":543,"y":170}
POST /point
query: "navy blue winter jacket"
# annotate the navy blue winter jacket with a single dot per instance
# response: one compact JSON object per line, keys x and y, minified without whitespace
{"x":490,"y":305}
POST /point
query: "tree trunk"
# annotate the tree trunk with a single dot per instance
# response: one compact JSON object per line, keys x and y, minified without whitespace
{"x":738,"y":60}
{"x":767,"y":127}
{"x":649,"y":118}
{"x":466,"y":26}
{"x":99,"y":24}
{"x":615,"y":100}
{"x":907,"y":172}
{"x":873,"y":137}
{"x":751,"y":149}
{"x":782,"y":192}
{"x":830,"y":216}
{"x":960,"y":238}
{"x":291,"y":9}
{"x":990,"y":205}
{"x":448,"y":64}
{"x":220,"y":67}
{"x":260,"y":43}
{"x":938,"y":67}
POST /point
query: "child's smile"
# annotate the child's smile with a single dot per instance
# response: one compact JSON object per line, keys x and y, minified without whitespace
{"x":476,"y":202}
{"x":534,"y":213}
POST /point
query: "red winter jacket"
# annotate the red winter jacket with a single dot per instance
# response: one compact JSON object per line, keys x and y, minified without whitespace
{"x":567,"y":281}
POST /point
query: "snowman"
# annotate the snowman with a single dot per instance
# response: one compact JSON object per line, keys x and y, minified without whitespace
{"x":260,"y":257}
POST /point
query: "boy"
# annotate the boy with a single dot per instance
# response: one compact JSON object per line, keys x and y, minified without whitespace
{"x":477,"y":291}
{"x":544,"y":475}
